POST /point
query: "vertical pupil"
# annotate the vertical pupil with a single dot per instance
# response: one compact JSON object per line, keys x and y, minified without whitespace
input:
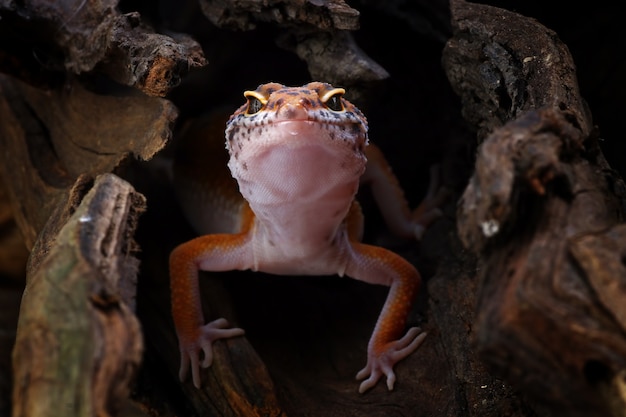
{"x":334,"y":103}
{"x":254,"y":105}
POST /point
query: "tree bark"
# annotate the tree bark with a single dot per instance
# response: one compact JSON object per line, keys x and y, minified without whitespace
{"x":543,"y":212}
{"x":78,"y":343}
{"x":523,"y":279}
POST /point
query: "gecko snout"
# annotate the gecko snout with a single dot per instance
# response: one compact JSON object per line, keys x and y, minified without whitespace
{"x":292,"y":110}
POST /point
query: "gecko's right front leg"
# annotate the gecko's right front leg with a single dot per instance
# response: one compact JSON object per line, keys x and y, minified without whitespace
{"x":219,"y":252}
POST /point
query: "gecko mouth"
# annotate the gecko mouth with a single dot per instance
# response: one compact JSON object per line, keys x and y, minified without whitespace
{"x":323,"y":122}
{"x":339,"y":135}
{"x":329,"y":129}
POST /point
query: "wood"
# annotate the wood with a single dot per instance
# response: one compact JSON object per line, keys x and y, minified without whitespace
{"x":88,"y":36}
{"x":542,"y":211}
{"x":524,"y":280}
{"x":78,"y":343}
{"x":82,"y":354}
{"x":311,"y":15}
{"x":53,"y":137}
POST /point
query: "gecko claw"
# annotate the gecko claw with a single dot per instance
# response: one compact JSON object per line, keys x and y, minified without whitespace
{"x":190,"y":351}
{"x":382,"y":363}
{"x":429,"y":209}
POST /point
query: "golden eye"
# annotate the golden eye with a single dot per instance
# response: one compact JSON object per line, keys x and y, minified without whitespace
{"x":332,"y":99}
{"x":254,"y":105}
{"x":256,"y":102}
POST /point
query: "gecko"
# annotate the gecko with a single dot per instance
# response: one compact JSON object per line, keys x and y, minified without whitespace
{"x":296,"y":156}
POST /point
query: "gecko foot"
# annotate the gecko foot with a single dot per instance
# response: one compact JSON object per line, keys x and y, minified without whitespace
{"x":382,"y":363}
{"x":429,"y":209}
{"x":190,"y":351}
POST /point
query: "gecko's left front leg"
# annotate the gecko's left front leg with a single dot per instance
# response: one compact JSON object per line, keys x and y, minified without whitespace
{"x":390,"y":199}
{"x":387,"y":346}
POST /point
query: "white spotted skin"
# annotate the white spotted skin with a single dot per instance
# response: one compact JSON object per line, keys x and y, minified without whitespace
{"x":298,"y":164}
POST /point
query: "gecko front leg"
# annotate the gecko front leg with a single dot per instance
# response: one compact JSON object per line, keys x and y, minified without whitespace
{"x":386,"y":347}
{"x":219,"y":252}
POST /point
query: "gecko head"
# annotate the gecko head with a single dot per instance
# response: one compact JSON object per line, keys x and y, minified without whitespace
{"x":273,"y":109}
{"x":296,"y":132}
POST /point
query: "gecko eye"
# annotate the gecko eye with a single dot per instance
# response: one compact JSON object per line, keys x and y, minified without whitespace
{"x":254,"y":105}
{"x":255,"y":102}
{"x":334,"y":103}
{"x":332,"y":99}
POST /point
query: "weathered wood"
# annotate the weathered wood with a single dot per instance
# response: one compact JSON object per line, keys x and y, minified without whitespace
{"x":317,"y":32}
{"x":91,"y":36}
{"x":78,"y":343}
{"x":151,"y":62}
{"x":541,"y":211}
{"x":318,"y":15}
{"x":67,"y":123}
{"x":334,"y":57}
{"x":54,"y":143}
{"x":52,"y":137}
{"x":502,"y":64}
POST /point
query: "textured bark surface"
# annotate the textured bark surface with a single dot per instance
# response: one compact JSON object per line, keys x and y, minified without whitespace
{"x":78,"y":342}
{"x":543,"y":212}
{"x":524,"y":281}
{"x":245,"y":15}
{"x":80,"y":37}
{"x":51,"y":137}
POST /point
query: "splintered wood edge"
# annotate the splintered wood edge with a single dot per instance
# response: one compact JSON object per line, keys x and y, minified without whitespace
{"x":540,"y":324}
{"x":151,"y":62}
{"x":46,"y":151}
{"x":78,"y":343}
{"x":502,"y":64}
{"x":95,"y":37}
{"x":246,"y":14}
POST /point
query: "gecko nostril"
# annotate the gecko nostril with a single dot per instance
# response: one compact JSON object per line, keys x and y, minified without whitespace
{"x":291,"y":111}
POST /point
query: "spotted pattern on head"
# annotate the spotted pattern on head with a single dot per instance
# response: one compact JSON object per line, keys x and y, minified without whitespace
{"x":315,"y":102}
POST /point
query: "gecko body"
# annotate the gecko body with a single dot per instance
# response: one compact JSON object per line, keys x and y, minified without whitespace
{"x":298,"y":155}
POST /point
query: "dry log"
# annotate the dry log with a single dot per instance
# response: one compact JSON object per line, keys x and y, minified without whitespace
{"x":78,"y":343}
{"x":151,"y":62}
{"x":317,"y":15}
{"x":91,"y":36}
{"x":52,"y":137}
{"x":67,"y":123}
{"x":318,"y":32}
{"x":334,"y":57}
{"x":542,"y":212}
{"x":54,"y":143}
